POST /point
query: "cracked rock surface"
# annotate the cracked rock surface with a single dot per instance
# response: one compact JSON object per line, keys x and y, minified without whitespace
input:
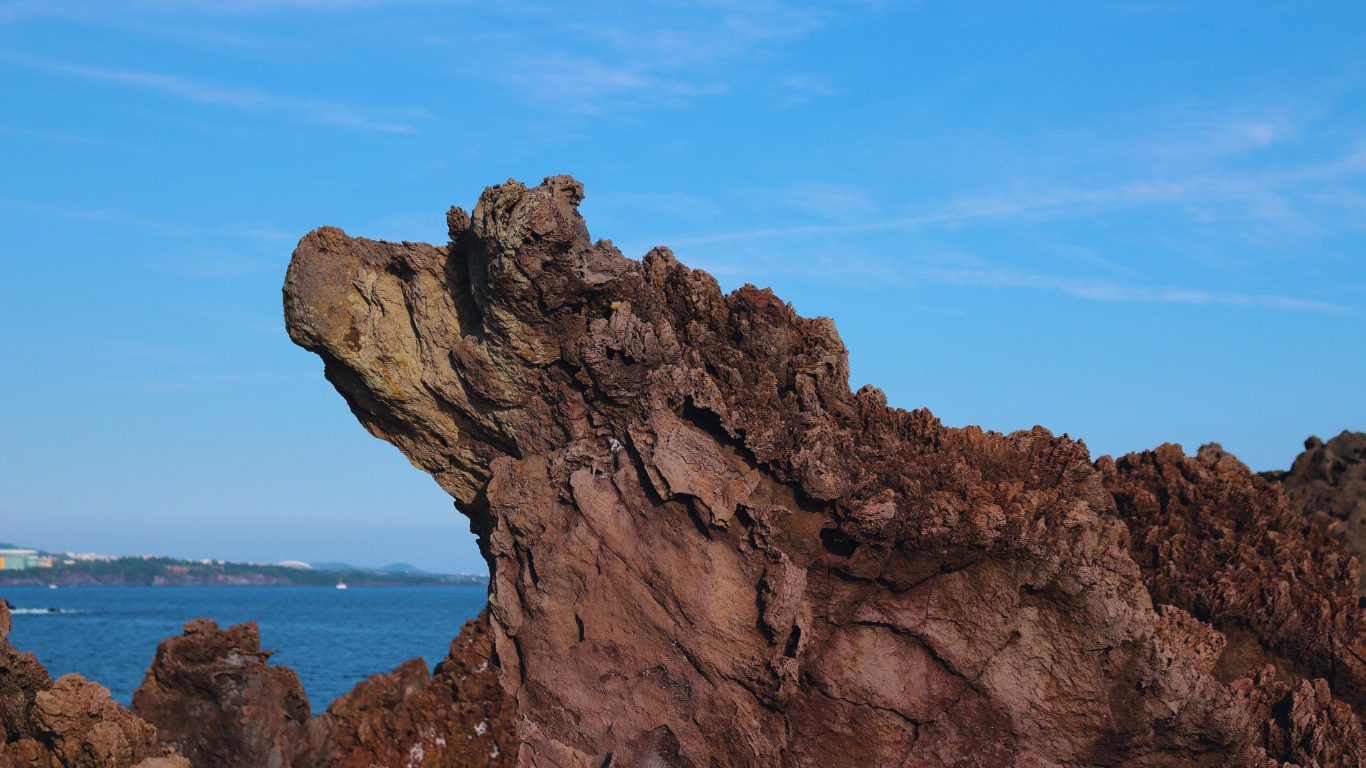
{"x":705,"y":550}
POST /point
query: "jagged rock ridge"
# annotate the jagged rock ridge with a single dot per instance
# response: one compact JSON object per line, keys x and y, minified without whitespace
{"x":1327,"y":484}
{"x":1222,"y":543}
{"x":706,"y":551}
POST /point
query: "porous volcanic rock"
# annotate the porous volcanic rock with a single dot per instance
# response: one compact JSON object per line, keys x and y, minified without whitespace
{"x":71,"y":723}
{"x":212,"y":695}
{"x":707,"y":551}
{"x":1221,"y":543}
{"x":460,"y":717}
{"x":1327,"y":484}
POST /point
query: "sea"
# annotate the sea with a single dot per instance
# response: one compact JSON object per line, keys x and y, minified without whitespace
{"x":332,"y":638}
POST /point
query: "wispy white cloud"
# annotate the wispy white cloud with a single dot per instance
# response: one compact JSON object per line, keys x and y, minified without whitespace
{"x":1104,"y":290}
{"x":157,"y":226}
{"x":594,"y":60}
{"x":1217,"y":215}
{"x":845,"y":266}
{"x":803,"y":88}
{"x":836,"y":202}
{"x":1271,"y":195}
{"x":960,"y":211}
{"x":90,"y":10}
{"x":591,"y":86}
{"x":316,"y":111}
{"x":715,"y":32}
{"x":1209,"y":139}
{"x":1257,"y":134}
{"x":649,"y":58}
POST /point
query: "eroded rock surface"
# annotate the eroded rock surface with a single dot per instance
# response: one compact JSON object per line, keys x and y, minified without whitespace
{"x":1327,"y":484}
{"x":707,"y":551}
{"x":71,"y":723}
{"x":1222,"y":543}
{"x":213,"y":696}
{"x":460,"y":717}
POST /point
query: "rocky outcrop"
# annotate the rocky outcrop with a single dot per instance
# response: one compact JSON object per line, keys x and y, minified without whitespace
{"x":71,"y":723}
{"x":460,"y":717}
{"x":1327,"y":484}
{"x":707,"y":551}
{"x":1222,"y":544}
{"x":213,"y":696}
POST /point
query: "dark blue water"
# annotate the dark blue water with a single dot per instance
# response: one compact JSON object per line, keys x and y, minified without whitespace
{"x":333,"y":638}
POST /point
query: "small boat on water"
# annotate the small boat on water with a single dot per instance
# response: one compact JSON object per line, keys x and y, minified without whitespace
{"x":52,"y":586}
{"x":341,"y":584}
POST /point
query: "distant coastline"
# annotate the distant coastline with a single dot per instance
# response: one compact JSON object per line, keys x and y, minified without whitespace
{"x":151,"y":571}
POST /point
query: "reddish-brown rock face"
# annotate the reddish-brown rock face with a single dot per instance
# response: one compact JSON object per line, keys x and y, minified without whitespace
{"x":1221,"y":543}
{"x":68,"y":724}
{"x":706,"y":551}
{"x":458,"y":718}
{"x":211,"y":693}
{"x":1327,"y":484}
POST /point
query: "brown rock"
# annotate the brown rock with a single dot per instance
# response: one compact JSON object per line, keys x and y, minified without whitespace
{"x":22,"y":678}
{"x":212,"y":695}
{"x":1306,"y":726}
{"x":68,"y":724}
{"x":1327,"y":484}
{"x":706,"y":551}
{"x":458,"y":718}
{"x":1220,"y":542}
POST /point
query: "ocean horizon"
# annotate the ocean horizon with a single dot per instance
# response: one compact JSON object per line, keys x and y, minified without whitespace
{"x":332,"y":638}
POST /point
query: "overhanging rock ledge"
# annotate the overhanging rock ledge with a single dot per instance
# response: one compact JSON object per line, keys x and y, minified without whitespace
{"x":705,"y":550}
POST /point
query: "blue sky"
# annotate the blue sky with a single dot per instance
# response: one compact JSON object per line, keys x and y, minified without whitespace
{"x":1132,"y":222}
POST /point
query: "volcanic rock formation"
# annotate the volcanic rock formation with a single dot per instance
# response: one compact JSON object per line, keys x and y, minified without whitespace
{"x":1327,"y":484}
{"x":706,"y":551}
{"x":212,"y":694}
{"x":68,"y":724}
{"x":460,"y":717}
{"x":1221,"y":543}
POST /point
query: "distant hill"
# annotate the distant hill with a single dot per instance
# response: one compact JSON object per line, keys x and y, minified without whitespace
{"x":337,"y":567}
{"x":348,"y":568}
{"x":166,"y":571}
